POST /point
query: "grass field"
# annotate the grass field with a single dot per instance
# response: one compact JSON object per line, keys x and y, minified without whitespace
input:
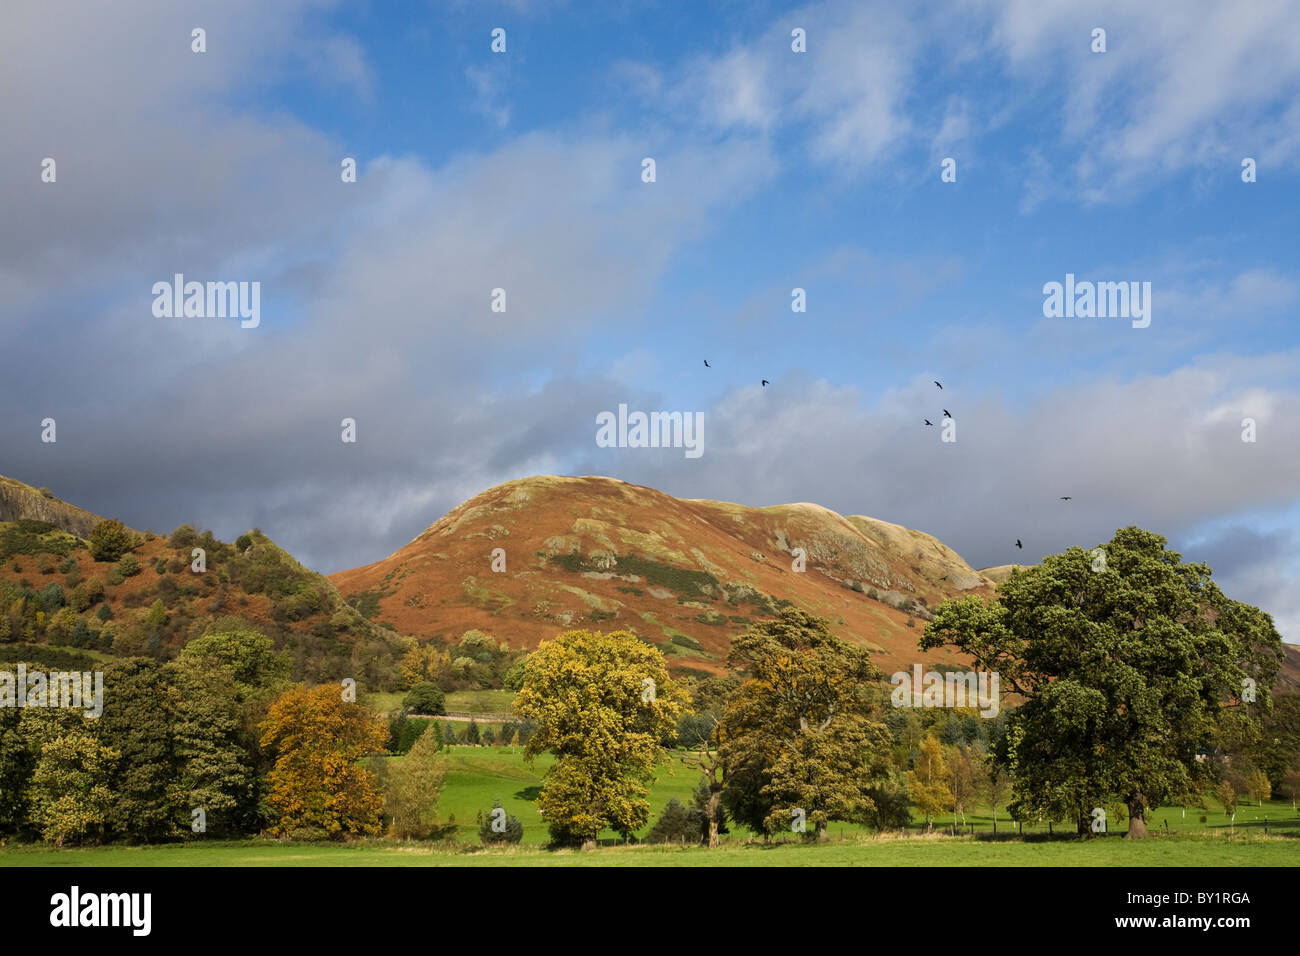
{"x":478,"y":774}
{"x":1185,"y":850}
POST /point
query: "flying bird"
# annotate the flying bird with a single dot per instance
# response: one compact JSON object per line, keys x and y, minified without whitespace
{"x":765,"y":383}
{"x":947,"y":414}
{"x":940,"y":386}
{"x":928,"y":422}
{"x":1018,"y":544}
{"x":706,"y":364}
{"x":1065,"y":497}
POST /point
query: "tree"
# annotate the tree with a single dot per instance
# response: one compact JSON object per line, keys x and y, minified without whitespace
{"x":995,"y":784}
{"x":138,"y":723}
{"x":928,"y":781}
{"x":157,"y":616}
{"x":412,"y":788}
{"x":1291,"y":781}
{"x":799,"y":734}
{"x":602,"y":704}
{"x":700,"y":730}
{"x":110,"y":539}
{"x":70,"y":790}
{"x":499,"y":827}
{"x":1227,"y":797}
{"x":1258,"y":786}
{"x":257,"y":670}
{"x":1126,"y":672}
{"x":448,"y":732}
{"x":423,"y":664}
{"x":17,"y":761}
{"x":425,"y":698}
{"x":316,"y":783}
{"x":217,"y":754}
{"x":677,"y":824}
{"x":962,"y":781}
{"x":514,"y":678}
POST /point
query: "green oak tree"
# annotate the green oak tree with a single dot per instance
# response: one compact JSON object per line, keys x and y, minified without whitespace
{"x":801,"y":733}
{"x":1127,"y":660}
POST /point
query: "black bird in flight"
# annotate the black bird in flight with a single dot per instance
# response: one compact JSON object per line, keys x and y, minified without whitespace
{"x":947,"y":414}
{"x":1065,"y":497}
{"x":940,"y":386}
{"x":765,"y":383}
{"x":928,"y":422}
{"x":706,"y":364}
{"x":1018,"y":544}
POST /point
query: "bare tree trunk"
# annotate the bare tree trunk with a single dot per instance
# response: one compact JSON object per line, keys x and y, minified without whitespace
{"x":1137,"y":823}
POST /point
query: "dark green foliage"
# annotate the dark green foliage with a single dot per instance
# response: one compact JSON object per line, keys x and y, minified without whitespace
{"x":678,"y":824}
{"x":17,"y":761}
{"x":183,"y":538}
{"x":105,"y":612}
{"x":13,"y":541}
{"x":109,"y":540}
{"x":514,"y":678}
{"x":404,"y":731}
{"x":1127,"y":673}
{"x":136,"y":723}
{"x":47,"y":658}
{"x":425,"y":698}
{"x":507,"y":828}
{"x":683,"y":581}
{"x":128,"y":566}
{"x":80,"y":636}
{"x":52,"y":598}
{"x":472,"y":735}
{"x":890,"y":810}
{"x":243,"y":543}
{"x":366,"y":603}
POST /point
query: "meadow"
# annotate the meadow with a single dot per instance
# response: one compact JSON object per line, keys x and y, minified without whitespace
{"x":1179,"y":837}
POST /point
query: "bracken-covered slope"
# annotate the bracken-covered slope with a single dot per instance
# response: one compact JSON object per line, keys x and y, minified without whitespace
{"x":599,"y":553}
{"x":54,"y":596}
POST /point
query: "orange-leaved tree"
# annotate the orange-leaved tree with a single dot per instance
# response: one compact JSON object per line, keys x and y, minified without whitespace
{"x":317,"y":783}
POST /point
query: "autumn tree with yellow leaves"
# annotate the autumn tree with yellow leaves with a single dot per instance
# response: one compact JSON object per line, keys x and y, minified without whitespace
{"x":603,"y":704}
{"x":317,"y":783}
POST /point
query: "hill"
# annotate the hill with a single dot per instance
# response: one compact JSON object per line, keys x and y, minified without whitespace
{"x":56,"y":599}
{"x":683,"y":574}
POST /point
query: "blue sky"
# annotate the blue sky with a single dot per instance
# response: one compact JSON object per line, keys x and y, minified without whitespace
{"x":775,"y":170}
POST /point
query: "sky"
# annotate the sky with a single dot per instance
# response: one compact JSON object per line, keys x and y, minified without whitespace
{"x":774,"y":170}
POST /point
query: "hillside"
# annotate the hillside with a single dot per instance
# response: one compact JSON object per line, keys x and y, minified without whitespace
{"x":53,"y":594}
{"x":683,"y":574}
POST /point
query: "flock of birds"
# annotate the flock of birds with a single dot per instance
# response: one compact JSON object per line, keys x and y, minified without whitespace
{"x":947,"y":416}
